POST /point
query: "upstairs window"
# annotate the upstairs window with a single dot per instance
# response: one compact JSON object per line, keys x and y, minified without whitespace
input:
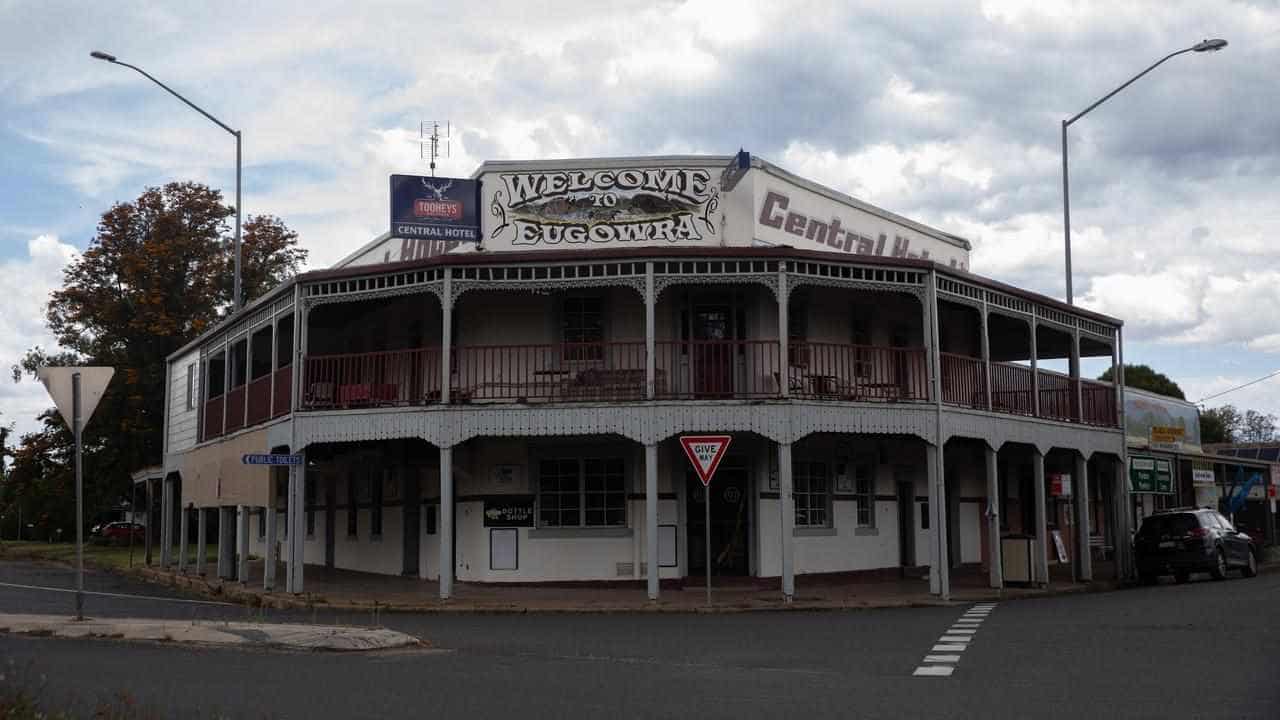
{"x":582,"y":328}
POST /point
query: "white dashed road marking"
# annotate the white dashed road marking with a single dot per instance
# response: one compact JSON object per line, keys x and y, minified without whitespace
{"x":943,"y":657}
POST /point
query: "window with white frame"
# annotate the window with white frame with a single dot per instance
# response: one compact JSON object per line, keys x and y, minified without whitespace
{"x":582,"y":492}
{"x":864,"y":490}
{"x":812,"y":492}
{"x":191,"y":386}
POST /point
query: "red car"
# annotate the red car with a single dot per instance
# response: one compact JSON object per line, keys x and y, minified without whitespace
{"x":120,"y":531}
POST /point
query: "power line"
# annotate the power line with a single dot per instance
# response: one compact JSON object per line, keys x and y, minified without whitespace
{"x":1238,"y":387}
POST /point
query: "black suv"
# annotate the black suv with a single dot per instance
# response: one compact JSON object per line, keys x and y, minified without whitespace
{"x":1190,"y":540}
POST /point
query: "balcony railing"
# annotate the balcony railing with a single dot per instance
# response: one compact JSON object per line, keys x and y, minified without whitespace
{"x":260,"y":400}
{"x":283,"y":391}
{"x":857,"y":372}
{"x":213,"y":417}
{"x":717,"y":369}
{"x":1098,"y":404}
{"x":964,"y":381}
{"x":684,"y":370}
{"x":235,"y":408}
{"x":392,"y":377}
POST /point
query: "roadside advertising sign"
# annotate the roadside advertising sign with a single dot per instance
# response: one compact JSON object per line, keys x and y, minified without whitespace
{"x":435,"y":208}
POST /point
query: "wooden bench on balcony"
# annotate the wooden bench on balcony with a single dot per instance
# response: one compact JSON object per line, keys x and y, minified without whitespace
{"x":610,"y":384}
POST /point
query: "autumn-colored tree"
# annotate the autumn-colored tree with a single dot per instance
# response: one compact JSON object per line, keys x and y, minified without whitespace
{"x":157,"y":273}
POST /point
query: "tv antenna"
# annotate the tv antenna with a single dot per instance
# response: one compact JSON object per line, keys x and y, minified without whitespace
{"x":429,"y":139}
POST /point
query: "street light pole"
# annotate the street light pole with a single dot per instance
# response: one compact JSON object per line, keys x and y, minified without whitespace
{"x":237,"y":299}
{"x":1202,"y":46}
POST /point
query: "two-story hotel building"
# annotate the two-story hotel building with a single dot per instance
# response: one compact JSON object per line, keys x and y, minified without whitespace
{"x":509,"y":410}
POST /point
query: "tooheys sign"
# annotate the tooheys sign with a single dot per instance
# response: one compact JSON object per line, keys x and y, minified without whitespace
{"x":434,"y":208}
{"x":665,"y":205}
{"x":788,"y":214}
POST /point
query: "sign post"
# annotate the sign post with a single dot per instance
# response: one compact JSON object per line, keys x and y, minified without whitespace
{"x":705,"y":453}
{"x":76,"y":392}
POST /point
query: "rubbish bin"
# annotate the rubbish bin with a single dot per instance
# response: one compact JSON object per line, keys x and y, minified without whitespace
{"x":1017,"y":553}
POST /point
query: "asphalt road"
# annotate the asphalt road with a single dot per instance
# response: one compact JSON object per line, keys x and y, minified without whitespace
{"x":1204,"y":650}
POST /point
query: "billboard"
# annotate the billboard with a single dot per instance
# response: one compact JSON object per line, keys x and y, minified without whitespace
{"x":1160,"y":422}
{"x":435,"y":209}
{"x":575,"y":209}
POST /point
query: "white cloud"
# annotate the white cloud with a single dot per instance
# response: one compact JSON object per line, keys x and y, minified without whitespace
{"x":27,"y":280}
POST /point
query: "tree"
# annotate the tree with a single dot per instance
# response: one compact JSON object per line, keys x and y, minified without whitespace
{"x":157,"y":273}
{"x":1144,"y":378}
{"x":1258,"y":427}
{"x":1220,"y":424}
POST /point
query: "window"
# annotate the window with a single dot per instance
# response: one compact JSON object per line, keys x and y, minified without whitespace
{"x":864,"y":488}
{"x":191,"y":386}
{"x":353,"y":507}
{"x":582,"y":322}
{"x":924,"y":515}
{"x":582,"y":492}
{"x":262,"y":524}
{"x":812,"y":491}
{"x":375,"y":500}
{"x":860,"y":336}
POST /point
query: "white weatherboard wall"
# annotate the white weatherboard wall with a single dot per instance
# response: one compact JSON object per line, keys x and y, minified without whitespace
{"x":183,"y":423}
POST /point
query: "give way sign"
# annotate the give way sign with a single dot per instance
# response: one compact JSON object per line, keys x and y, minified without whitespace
{"x":705,"y":453}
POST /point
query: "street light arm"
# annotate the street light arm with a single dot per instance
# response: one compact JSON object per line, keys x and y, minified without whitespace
{"x":1131,"y":80}
{"x":174,"y":93}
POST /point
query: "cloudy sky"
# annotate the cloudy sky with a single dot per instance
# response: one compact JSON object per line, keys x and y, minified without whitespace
{"x":946,"y":112}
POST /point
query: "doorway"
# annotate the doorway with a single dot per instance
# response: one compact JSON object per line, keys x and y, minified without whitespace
{"x":730,"y":523}
{"x":330,"y":517}
{"x":713,"y":352}
{"x":906,"y":523}
{"x":412,"y":522}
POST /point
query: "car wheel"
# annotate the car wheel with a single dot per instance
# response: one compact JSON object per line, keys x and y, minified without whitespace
{"x":1181,"y":576}
{"x":1219,"y":569}
{"x":1251,"y":568}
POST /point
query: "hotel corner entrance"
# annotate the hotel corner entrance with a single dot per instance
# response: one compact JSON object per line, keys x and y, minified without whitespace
{"x":730,"y":522}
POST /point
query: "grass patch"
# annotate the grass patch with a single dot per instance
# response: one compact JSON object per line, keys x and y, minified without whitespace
{"x":111,"y":557}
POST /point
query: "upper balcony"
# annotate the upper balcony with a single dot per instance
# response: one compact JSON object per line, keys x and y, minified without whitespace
{"x":783,"y":325}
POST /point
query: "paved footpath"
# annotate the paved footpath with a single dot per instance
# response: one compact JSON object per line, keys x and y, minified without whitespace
{"x":210,"y":632}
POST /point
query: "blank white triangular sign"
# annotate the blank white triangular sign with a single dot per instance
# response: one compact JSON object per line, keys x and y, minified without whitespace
{"x":93,"y":382}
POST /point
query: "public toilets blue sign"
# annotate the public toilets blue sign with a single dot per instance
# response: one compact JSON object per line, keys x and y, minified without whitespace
{"x":435,"y":208}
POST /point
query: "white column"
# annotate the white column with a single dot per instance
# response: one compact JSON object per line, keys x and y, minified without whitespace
{"x":202,"y":528}
{"x":1077,"y":389}
{"x":226,"y":543}
{"x":295,"y":547}
{"x":985,"y":328}
{"x":786,"y":505}
{"x":271,"y":556}
{"x":183,"y":531}
{"x":651,"y":516}
{"x":446,"y":522}
{"x":242,"y":543}
{"x":151,"y":519}
{"x":1042,"y":528}
{"x":166,"y":523}
{"x":994,"y":559}
{"x":650,"y":344}
{"x":446,"y":339}
{"x":784,"y":363}
{"x":1035,"y":371}
{"x":1080,"y":496}
{"x":939,"y":567}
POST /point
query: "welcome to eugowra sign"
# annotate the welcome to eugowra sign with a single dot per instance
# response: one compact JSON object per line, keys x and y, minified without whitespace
{"x":651,"y":205}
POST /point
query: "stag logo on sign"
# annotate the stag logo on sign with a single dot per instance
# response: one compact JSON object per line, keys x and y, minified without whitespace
{"x":649,"y":205}
{"x":438,"y":206}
